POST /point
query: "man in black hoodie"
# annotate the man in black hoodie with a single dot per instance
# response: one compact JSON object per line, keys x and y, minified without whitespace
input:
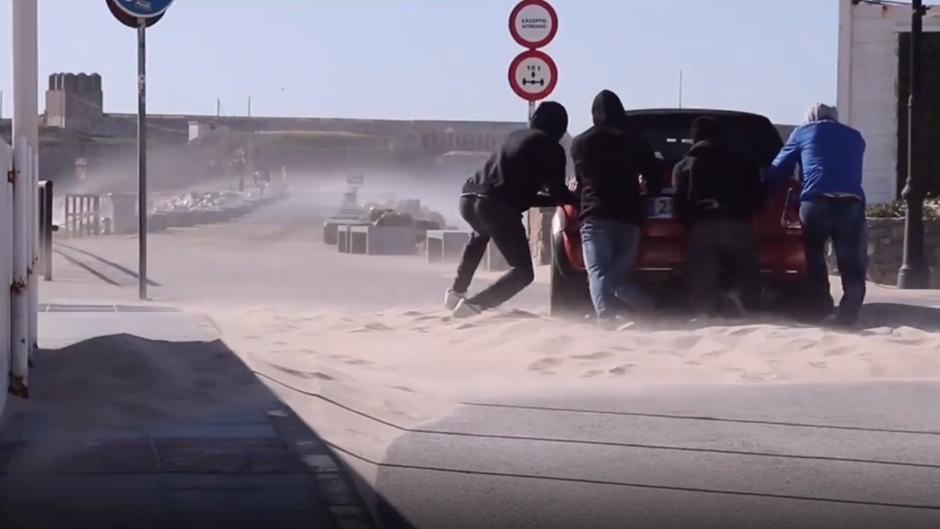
{"x":717,"y":195}
{"x":609,"y":159}
{"x":494,"y":199}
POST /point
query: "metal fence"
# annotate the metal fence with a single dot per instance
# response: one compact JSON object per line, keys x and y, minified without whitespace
{"x":82,"y":216}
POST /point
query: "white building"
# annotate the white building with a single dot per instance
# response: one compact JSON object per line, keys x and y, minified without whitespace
{"x":867,"y":82}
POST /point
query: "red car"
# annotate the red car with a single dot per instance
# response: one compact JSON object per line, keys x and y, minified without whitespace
{"x":661,"y":263}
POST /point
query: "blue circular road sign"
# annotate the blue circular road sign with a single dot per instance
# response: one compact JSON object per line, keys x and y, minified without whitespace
{"x":143,"y":8}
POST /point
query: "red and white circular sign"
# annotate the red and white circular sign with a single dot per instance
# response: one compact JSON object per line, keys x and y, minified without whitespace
{"x":533,"y":75}
{"x":533,"y":23}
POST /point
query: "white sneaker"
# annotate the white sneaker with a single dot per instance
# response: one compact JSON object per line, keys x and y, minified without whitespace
{"x":451,"y":299}
{"x":466,"y":310}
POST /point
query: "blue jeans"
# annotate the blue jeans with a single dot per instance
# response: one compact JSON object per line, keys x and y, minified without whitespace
{"x":610,"y":250}
{"x":841,"y":220}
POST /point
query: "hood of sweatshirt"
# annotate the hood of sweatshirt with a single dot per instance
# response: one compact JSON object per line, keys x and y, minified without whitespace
{"x":607,"y":110}
{"x":551,"y":118}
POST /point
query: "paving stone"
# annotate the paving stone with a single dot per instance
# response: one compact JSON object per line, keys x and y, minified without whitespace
{"x":221,"y":430}
{"x":7,"y":451}
{"x":112,"y":456}
{"x":348,"y":517}
{"x":12,"y":428}
{"x":171,"y":482}
{"x":83,"y":493}
{"x":300,"y":499}
{"x":310,"y":520}
{"x":139,"y":519}
{"x":320,"y":463}
{"x":200,"y":501}
{"x":235,"y":417}
{"x":229,"y":456}
{"x":39,"y":427}
{"x":318,"y":520}
{"x":333,"y":489}
{"x":217,"y":482}
{"x":230,"y":520}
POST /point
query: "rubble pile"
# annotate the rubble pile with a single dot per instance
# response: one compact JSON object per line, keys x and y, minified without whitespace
{"x":407,"y":212}
{"x":205,"y":200}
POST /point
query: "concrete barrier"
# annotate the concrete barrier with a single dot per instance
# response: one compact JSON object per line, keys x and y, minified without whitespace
{"x":157,"y":222}
{"x":357,"y":240}
{"x":445,"y":246}
{"x":342,"y":238}
{"x":382,"y":240}
{"x":331,"y":226}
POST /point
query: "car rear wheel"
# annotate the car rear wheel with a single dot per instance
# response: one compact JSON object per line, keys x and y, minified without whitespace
{"x":568,"y":289}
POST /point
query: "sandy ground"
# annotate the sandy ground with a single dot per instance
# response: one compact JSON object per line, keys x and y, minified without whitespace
{"x":305,"y":315}
{"x":359,"y":347}
{"x":503,"y":352}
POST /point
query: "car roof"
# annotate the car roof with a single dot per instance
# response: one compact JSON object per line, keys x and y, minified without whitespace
{"x":693,"y":111}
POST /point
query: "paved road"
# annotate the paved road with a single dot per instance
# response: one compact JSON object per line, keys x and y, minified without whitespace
{"x":771,"y":456}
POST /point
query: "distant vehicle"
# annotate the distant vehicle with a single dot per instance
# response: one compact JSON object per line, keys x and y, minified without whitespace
{"x":661,"y":263}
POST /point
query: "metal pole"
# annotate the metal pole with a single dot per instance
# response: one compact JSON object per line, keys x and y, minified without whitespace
{"x":249,"y":106}
{"x":142,"y":208}
{"x":914,"y":273}
{"x":680,"y":88}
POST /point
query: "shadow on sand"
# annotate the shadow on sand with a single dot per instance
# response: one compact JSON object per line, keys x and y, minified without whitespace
{"x":124,"y":431}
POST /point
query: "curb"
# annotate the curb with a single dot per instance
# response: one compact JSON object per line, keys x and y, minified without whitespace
{"x":345,"y":505}
{"x":338,"y":493}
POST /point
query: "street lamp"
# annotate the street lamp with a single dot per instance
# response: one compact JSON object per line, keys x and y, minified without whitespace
{"x":914,"y":272}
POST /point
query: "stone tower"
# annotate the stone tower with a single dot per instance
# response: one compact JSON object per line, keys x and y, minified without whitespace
{"x":74,"y":101}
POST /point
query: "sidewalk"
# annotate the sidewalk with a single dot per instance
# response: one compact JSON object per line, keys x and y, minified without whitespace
{"x":139,"y":418}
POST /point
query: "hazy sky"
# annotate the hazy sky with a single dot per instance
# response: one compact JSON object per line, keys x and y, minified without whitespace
{"x":444,"y":59}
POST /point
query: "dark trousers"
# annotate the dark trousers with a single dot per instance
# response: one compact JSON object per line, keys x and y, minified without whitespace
{"x":501,"y":223}
{"x":714,"y":244}
{"x":841,"y":220}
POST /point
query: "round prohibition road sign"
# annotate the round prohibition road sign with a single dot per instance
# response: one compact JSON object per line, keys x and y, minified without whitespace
{"x":533,"y":75}
{"x":533,"y":23}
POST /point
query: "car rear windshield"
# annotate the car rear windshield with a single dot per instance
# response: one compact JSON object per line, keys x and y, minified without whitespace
{"x":670,"y":134}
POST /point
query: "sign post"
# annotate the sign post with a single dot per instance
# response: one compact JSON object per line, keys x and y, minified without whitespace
{"x":140,"y":15}
{"x":533,"y":24}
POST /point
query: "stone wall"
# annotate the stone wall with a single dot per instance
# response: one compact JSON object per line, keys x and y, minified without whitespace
{"x":886,"y":245}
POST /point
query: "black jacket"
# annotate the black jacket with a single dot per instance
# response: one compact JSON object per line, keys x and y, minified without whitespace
{"x":528,"y":162}
{"x":609,"y":159}
{"x":712,"y":182}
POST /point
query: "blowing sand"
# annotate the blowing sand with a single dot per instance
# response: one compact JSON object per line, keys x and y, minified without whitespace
{"x":428,"y":353}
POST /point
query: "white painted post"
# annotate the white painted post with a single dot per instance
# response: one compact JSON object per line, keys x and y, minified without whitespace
{"x":34,"y":254}
{"x":31,"y":85}
{"x":6,"y":265}
{"x":19,"y":330}
{"x":25,"y":19}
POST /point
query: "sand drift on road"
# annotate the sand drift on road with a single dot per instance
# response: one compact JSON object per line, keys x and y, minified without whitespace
{"x":409,"y":352}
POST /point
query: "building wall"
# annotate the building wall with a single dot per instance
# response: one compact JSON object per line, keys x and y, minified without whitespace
{"x":867,"y":85}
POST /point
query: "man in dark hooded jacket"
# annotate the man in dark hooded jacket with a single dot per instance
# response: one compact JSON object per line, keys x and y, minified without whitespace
{"x":494,"y":199}
{"x":609,"y":159}
{"x":717,"y":194}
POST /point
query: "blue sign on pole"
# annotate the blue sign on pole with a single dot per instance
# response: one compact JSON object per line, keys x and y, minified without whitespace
{"x":143,"y":8}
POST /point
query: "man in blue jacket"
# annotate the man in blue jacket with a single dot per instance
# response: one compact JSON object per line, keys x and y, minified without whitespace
{"x":832,"y":206}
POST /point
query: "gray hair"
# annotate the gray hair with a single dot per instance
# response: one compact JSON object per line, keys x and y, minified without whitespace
{"x":821,"y":111}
